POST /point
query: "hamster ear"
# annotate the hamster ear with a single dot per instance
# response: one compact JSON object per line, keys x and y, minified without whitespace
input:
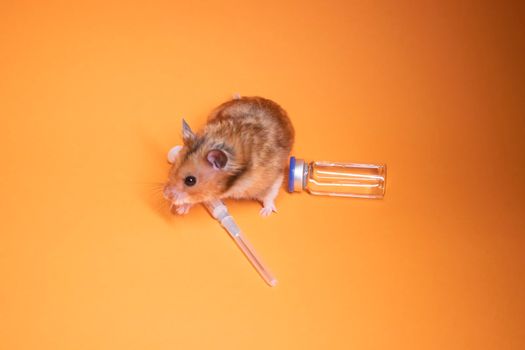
{"x":217,"y":158}
{"x":187,"y":134}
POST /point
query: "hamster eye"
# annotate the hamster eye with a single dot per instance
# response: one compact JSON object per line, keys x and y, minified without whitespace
{"x":190,"y":180}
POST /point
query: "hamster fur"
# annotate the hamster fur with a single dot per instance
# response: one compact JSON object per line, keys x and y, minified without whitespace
{"x":241,"y":153}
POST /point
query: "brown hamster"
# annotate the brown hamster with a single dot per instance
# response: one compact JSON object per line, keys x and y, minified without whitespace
{"x":241,"y":153}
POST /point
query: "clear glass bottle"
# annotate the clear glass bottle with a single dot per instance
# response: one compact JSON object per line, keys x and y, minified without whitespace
{"x":337,"y":179}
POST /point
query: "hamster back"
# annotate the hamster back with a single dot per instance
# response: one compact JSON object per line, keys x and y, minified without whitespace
{"x":259,"y":136}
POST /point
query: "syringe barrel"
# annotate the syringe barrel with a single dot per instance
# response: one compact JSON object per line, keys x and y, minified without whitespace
{"x":250,"y":253}
{"x":219,"y":211}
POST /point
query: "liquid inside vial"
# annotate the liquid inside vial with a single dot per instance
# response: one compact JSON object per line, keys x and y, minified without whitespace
{"x":346,"y":179}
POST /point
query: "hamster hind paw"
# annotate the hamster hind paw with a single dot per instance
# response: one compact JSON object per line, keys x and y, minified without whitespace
{"x":268,"y":209}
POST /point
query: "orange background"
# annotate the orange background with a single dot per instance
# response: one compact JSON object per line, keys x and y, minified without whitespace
{"x":91,"y":97}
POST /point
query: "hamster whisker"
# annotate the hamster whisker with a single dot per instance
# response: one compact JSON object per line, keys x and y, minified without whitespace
{"x":153,"y":184}
{"x":160,"y":204}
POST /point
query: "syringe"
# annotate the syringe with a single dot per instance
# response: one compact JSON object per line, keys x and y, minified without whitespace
{"x":219,"y":211}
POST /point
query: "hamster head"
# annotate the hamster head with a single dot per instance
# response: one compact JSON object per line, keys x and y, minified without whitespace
{"x":199,"y":172}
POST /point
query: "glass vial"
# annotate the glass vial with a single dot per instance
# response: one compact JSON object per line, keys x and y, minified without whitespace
{"x":337,"y":179}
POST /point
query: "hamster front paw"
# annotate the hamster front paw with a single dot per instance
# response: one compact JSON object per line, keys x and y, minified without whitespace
{"x":183,"y":209}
